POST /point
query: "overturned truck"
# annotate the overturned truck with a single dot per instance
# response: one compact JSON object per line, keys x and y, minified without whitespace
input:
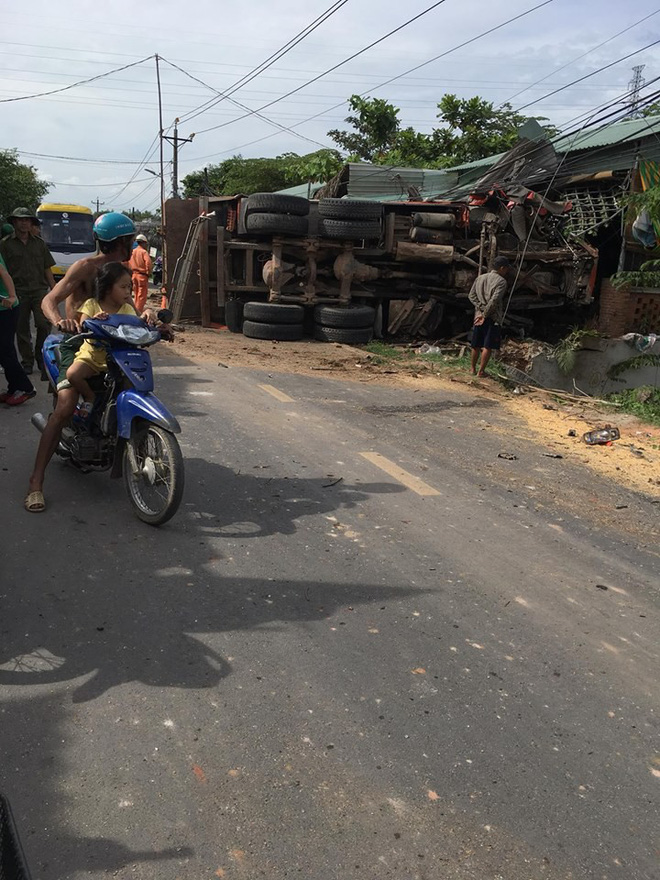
{"x":414,"y":261}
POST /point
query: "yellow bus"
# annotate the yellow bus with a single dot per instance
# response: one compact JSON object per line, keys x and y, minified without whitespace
{"x":68,"y":232}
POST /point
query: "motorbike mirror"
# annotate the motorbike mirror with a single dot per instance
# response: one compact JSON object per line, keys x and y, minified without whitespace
{"x":165,"y":316}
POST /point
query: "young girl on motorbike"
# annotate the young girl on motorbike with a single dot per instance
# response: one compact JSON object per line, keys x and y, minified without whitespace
{"x":112,"y":297}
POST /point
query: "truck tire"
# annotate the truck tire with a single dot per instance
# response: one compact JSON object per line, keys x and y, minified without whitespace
{"x":278,"y":332}
{"x":234,"y":315}
{"x":351,"y":229}
{"x":273,"y":313}
{"x":350,"y":209}
{"x":274,"y":203}
{"x":349,"y":317}
{"x":283,"y":224}
{"x":347,"y":335}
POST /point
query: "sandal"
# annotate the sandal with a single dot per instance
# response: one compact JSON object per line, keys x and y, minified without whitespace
{"x":34,"y":502}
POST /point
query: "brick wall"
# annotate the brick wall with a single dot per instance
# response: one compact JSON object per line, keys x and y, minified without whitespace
{"x":628,"y":310}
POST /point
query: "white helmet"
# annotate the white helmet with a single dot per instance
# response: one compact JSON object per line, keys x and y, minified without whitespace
{"x":141,"y":237}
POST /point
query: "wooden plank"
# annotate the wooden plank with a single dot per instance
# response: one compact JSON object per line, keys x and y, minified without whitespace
{"x":204,"y":290}
{"x":221,"y":292}
{"x":436,"y":253}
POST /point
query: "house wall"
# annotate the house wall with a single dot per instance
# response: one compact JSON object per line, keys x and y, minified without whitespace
{"x":628,"y":310}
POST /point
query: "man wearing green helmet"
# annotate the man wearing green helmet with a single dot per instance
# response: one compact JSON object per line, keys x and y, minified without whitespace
{"x":114,"y":233}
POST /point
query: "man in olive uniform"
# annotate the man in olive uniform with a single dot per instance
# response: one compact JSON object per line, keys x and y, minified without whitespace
{"x":29,"y":263}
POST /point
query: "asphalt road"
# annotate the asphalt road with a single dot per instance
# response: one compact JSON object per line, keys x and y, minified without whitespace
{"x":366,"y":647}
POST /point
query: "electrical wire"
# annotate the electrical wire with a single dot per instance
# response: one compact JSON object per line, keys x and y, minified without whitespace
{"x":272,"y":59}
{"x":580,"y":57}
{"x":405,"y":73}
{"x":330,"y":69}
{"x":74,"y":85}
{"x":588,"y":75}
{"x":278,"y":125}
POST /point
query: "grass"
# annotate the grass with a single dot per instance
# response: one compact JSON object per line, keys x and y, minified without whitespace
{"x":384,"y":355}
{"x":642,"y":402}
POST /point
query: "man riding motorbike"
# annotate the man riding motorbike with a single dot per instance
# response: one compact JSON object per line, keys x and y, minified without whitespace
{"x":114,"y":233}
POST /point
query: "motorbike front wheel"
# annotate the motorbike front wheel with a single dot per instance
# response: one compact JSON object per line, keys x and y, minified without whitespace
{"x":157,"y":487}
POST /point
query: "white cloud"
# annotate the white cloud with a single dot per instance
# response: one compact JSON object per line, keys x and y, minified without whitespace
{"x":48,"y":46}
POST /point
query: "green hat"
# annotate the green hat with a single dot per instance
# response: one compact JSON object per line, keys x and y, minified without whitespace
{"x":7,"y":229}
{"x":22,"y":212}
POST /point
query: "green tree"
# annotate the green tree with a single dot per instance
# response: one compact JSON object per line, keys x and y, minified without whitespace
{"x":19,"y":184}
{"x":376,"y":128}
{"x":648,"y":274}
{"x":469,"y":128}
{"x":473,"y":128}
{"x":320,"y":166}
{"x":238,"y":175}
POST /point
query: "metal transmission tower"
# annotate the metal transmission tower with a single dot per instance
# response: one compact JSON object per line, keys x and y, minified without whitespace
{"x":635,"y":86}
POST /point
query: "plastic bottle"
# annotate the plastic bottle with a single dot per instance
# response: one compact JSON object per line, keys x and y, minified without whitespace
{"x":601,"y":436}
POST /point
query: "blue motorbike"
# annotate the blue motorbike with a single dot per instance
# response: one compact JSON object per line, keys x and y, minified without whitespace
{"x":128,"y":431}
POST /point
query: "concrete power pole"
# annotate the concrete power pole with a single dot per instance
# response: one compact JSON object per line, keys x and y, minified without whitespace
{"x":635,"y":86}
{"x":175,"y":140}
{"x":98,"y":204}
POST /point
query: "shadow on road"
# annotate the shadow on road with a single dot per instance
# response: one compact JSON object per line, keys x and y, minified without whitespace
{"x":114,"y":602}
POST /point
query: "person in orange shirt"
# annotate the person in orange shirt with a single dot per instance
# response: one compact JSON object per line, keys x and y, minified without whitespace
{"x":140,"y":265}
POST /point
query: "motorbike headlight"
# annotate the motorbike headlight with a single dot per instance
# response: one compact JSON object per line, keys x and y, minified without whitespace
{"x":132,"y":334}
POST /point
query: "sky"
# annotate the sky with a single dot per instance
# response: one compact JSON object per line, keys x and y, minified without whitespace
{"x":106,"y":132}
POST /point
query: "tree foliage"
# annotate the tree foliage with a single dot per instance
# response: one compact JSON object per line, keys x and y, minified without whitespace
{"x":243,"y":176}
{"x":19,"y":184}
{"x":469,"y":128}
{"x":315,"y":167}
{"x":376,"y":128}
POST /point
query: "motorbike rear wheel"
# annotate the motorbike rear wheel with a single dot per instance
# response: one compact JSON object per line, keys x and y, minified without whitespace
{"x":156,"y":490}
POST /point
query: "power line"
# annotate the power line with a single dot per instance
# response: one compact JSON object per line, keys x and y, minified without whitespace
{"x":278,"y":125}
{"x":435,"y":58}
{"x":583,"y":55}
{"x":588,"y":75}
{"x":273,"y":58}
{"x":405,"y":73}
{"x":81,"y":82}
{"x":331,"y":69}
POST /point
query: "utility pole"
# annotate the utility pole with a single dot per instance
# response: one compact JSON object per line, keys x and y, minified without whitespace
{"x":98,"y":204}
{"x":175,"y":140}
{"x":635,"y":86}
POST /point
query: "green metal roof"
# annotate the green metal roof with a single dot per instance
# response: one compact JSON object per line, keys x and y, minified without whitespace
{"x":302,"y":189}
{"x":623,"y":133}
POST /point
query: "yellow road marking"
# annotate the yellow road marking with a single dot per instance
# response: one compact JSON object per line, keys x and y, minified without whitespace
{"x":280,"y":395}
{"x":408,"y":480}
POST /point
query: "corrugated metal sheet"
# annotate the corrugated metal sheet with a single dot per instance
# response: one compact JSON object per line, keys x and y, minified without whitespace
{"x":366,"y":181}
{"x":301,"y":190}
{"x":628,"y":130}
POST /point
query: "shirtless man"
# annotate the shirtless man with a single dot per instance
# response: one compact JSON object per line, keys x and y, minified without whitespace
{"x":114,"y":233}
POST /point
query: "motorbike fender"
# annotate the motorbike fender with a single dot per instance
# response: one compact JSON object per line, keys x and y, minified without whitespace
{"x":135,"y":405}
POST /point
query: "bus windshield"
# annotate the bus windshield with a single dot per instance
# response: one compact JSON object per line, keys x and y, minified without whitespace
{"x":66,"y":232}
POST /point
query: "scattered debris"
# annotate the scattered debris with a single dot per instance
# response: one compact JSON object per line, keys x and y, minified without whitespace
{"x":601,"y":587}
{"x":636,"y":451}
{"x":552,"y":455}
{"x":334,"y":483}
{"x":621,"y":507}
{"x":601,"y":436}
{"x":508,"y":456}
{"x":572,"y":433}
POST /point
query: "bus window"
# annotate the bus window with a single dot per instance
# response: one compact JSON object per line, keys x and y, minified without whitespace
{"x":67,"y":233}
